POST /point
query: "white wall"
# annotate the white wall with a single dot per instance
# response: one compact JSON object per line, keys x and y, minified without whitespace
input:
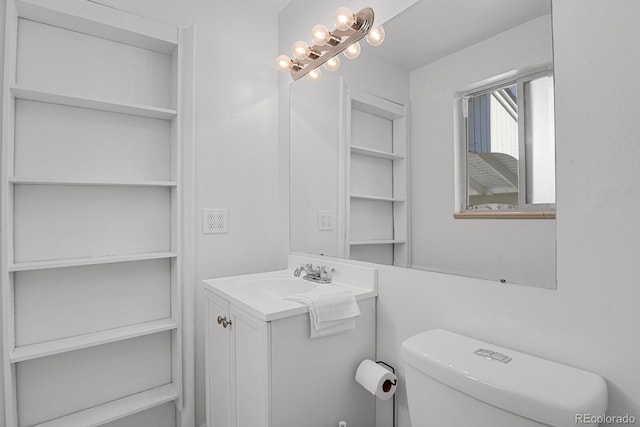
{"x":591,"y":320}
{"x":314,"y":163}
{"x":519,"y":251}
{"x":236,"y":149}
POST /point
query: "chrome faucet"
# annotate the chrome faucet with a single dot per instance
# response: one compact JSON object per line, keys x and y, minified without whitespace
{"x":302,"y":268}
{"x":321,"y":274}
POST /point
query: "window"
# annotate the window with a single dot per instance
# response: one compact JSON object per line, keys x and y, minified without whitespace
{"x":510,"y":146}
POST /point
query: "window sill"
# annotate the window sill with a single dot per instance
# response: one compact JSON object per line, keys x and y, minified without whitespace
{"x":505,"y":215}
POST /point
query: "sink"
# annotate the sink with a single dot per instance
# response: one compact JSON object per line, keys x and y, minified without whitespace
{"x":276,"y":287}
{"x":263,"y":294}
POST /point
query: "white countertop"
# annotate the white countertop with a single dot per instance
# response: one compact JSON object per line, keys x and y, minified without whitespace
{"x":262,"y":294}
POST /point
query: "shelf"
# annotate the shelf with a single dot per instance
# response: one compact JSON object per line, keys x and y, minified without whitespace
{"x":375,"y":242}
{"x":83,"y":17}
{"x":375,"y":153}
{"x":37,"y":181}
{"x":63,"y":345}
{"x":117,"y":409}
{"x":379,"y":199}
{"x":77,"y":262}
{"x":504,"y":215}
{"x":91,"y":103}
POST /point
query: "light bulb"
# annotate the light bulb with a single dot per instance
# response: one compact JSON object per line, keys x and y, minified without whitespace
{"x":284,"y":63}
{"x":353,"y":51}
{"x":314,"y":75}
{"x":333,"y":64}
{"x":301,"y":50}
{"x":320,"y":35}
{"x":343,"y":18}
{"x":376,"y":36}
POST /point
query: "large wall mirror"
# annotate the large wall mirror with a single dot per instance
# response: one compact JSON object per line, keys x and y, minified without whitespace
{"x":381,"y":160}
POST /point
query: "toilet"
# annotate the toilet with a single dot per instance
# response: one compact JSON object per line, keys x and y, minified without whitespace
{"x":456,"y":381}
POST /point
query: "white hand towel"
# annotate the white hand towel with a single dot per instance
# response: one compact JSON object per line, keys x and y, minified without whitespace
{"x":331,"y":309}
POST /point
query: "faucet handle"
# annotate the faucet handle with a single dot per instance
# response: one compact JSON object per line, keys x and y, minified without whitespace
{"x":298,"y":271}
{"x":325,"y":272}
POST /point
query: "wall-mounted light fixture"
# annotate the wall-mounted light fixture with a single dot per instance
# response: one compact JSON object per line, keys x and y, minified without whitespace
{"x":350,"y":29}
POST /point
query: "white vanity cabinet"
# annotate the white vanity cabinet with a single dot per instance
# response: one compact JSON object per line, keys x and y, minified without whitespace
{"x":265,"y":371}
{"x":237,"y":367}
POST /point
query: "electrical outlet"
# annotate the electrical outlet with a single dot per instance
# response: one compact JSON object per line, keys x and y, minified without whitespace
{"x":215,"y":221}
{"x":326,"y":220}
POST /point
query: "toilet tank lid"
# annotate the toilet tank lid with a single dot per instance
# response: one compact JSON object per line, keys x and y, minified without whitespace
{"x":535,"y":388}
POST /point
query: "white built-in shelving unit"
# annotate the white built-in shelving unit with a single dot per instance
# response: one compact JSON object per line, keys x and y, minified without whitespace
{"x":376,"y":178}
{"x":91,"y":214}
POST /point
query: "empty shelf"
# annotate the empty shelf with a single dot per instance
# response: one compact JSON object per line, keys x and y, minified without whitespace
{"x":375,"y":242}
{"x":375,"y":198}
{"x":49,"y":348}
{"x":37,"y":181}
{"x":375,"y":153}
{"x":92,"y":103}
{"x":76,"y":262}
{"x":117,"y":409}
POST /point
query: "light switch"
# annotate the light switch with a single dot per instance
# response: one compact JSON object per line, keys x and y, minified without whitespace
{"x":326,"y":220}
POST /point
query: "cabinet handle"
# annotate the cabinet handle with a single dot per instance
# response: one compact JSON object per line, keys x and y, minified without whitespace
{"x":223,"y":321}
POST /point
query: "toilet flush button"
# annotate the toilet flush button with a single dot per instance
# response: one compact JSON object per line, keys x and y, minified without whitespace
{"x":493,"y":355}
{"x":483,"y":352}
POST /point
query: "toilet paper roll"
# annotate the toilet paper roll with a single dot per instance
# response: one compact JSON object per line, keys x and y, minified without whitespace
{"x":376,"y":379}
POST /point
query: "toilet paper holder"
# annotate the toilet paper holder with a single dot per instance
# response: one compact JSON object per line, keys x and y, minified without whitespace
{"x":391,"y":383}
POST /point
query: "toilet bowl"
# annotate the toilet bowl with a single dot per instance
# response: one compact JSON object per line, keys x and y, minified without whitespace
{"x":456,"y":381}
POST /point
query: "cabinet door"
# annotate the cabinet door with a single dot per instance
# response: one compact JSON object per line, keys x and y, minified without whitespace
{"x":218,"y":372}
{"x":250,"y":356}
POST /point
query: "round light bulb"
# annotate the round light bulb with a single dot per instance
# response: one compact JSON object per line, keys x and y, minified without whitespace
{"x":353,"y":51}
{"x":375,"y":37}
{"x":284,"y":63}
{"x":301,"y":50}
{"x":320,"y":35}
{"x":343,"y":18}
{"x":314,"y":75}
{"x":333,"y":64}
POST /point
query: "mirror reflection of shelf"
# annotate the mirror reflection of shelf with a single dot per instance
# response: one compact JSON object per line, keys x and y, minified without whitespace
{"x":376,"y":179}
{"x":377,"y":198}
{"x":376,"y":242}
{"x":375,"y":153}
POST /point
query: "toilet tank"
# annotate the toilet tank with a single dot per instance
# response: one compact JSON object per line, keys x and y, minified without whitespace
{"x":453,"y":380}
